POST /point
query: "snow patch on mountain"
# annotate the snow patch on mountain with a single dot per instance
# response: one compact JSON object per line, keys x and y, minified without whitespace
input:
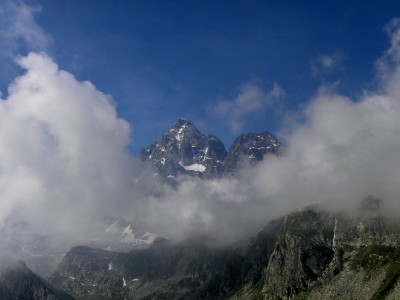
{"x":113,"y":227}
{"x":194,"y":167}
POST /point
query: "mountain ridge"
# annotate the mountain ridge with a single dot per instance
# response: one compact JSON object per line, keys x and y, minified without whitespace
{"x":307,"y":254}
{"x":184,"y":150}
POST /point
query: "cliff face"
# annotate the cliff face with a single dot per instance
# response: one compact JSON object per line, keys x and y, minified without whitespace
{"x":323,"y":256}
{"x":366,"y":264}
{"x":304,"y":250}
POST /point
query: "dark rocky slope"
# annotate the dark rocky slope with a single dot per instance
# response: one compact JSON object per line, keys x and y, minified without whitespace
{"x":309,"y":254}
{"x":166,"y":271}
{"x":17,"y":282}
{"x":324,"y":256}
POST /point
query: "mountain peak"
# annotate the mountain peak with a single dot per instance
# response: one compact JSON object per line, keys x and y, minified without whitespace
{"x":182,"y":122}
{"x":183,"y":149}
{"x":251,"y":147}
{"x":182,"y":128}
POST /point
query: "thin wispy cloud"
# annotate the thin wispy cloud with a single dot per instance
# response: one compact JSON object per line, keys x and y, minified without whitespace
{"x":325,"y":64}
{"x":18,"y":28}
{"x":250,"y":100}
{"x":387,"y":65}
{"x":19,"y":34}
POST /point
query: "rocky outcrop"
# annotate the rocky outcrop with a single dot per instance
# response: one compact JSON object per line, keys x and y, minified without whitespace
{"x":304,"y":250}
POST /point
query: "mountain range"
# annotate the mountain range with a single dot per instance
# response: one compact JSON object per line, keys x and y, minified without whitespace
{"x":310,"y":253}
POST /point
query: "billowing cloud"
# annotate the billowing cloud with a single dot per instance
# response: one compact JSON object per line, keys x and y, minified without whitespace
{"x":250,"y":99}
{"x":63,"y":160}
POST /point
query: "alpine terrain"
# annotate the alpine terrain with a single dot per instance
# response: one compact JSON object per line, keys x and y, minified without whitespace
{"x":310,"y":253}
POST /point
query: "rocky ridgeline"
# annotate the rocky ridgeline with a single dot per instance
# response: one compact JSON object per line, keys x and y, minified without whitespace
{"x":309,"y":254}
{"x":183,"y":149}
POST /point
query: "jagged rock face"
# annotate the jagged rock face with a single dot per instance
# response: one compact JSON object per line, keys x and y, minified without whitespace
{"x":366,"y":261}
{"x":325,"y":256}
{"x":215,"y":154}
{"x":20,"y":283}
{"x":183,"y":149}
{"x":250,"y":148}
{"x":304,"y":250}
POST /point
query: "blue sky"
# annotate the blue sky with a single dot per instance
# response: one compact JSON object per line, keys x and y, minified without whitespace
{"x":230,"y":66}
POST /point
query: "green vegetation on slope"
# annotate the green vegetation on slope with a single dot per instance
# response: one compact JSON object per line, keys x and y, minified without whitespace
{"x":372,"y":258}
{"x":392,"y":275}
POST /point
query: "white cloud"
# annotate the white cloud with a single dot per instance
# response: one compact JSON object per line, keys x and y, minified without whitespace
{"x":19,"y":29}
{"x":327,"y":63}
{"x":63,"y":162}
{"x":250,"y":99}
{"x":388,"y":64}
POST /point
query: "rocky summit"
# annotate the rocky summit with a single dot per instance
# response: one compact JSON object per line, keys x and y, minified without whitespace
{"x":250,"y":148}
{"x":183,"y":149}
